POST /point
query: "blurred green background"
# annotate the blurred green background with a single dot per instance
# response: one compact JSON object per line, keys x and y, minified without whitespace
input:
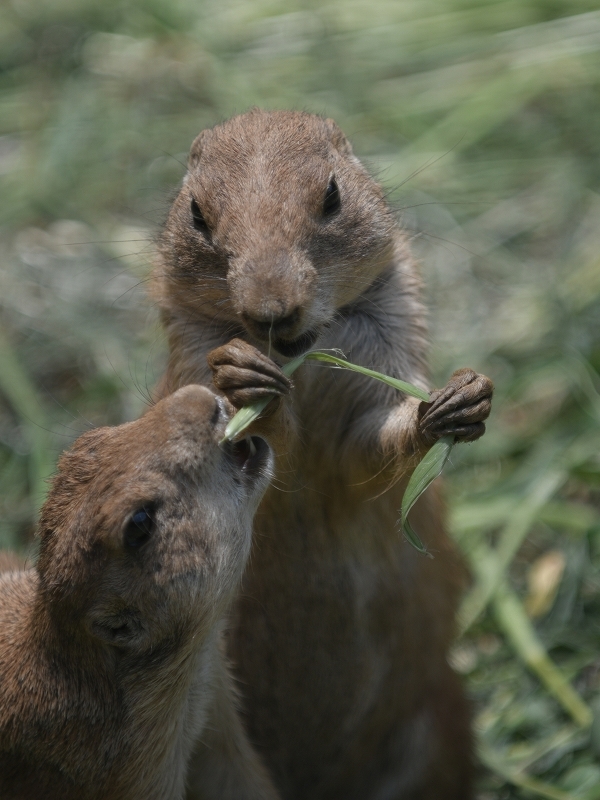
{"x":482,"y":119}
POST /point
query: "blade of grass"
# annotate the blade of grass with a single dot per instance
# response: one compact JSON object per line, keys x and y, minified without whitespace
{"x":22,"y":396}
{"x":518,"y":628}
{"x":402,"y":386}
{"x":542,"y":488}
{"x":496,"y":763}
{"x":426,"y":472}
{"x":249,"y":413}
{"x":523,"y":637}
{"x":492,"y":570}
{"x":490,"y":105}
{"x":564,"y":740}
{"x":246,"y":415}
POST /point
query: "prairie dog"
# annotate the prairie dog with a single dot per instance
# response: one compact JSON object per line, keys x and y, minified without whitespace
{"x":111,"y":667}
{"x":280,"y":241}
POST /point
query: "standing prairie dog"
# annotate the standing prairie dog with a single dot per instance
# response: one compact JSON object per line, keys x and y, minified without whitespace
{"x":110,"y":657}
{"x":280,"y":238}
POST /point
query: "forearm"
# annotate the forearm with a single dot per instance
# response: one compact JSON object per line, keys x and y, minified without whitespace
{"x":387,"y":438}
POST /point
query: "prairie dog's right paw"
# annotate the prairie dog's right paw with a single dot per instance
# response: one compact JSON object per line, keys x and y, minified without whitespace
{"x":459,"y":409}
{"x":246,"y":375}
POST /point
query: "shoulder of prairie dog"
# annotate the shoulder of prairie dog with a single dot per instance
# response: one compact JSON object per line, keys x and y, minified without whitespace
{"x":276,"y":227}
{"x":110,"y":663}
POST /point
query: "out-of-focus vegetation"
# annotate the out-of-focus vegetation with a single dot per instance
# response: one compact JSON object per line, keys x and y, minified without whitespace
{"x":483,"y":120}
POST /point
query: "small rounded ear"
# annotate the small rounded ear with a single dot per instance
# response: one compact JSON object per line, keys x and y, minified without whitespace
{"x":81,"y":462}
{"x":196,"y":148}
{"x":339,"y":141}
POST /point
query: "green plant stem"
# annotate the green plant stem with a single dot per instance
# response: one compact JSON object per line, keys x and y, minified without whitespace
{"x":518,"y":628}
{"x":493,"y":566}
{"x":570,"y":736}
{"x":496,"y":763}
{"x":252,"y":411}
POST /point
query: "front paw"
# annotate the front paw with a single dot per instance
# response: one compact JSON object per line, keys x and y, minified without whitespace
{"x":246,"y":375}
{"x":459,"y":409}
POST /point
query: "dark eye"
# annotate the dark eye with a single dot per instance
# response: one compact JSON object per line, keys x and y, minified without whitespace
{"x":332,"y":202}
{"x":139,"y":528}
{"x":198,"y":219}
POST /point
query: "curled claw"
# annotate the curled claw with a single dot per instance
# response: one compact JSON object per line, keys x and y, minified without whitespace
{"x":246,"y":375}
{"x":459,"y":409}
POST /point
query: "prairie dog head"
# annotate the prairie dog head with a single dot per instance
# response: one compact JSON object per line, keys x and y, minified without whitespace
{"x":276,"y":227}
{"x":147,"y":527}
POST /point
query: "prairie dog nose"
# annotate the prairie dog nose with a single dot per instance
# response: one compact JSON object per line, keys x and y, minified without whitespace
{"x":279,"y":326}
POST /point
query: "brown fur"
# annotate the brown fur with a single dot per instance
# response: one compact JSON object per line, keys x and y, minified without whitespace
{"x":110,"y":661}
{"x":341,"y":630}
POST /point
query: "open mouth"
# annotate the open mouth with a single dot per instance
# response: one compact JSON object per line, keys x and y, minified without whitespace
{"x":249,"y":454}
{"x":295,"y":347}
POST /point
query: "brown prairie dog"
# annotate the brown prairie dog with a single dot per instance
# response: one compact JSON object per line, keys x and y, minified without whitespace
{"x":280,"y":240}
{"x":110,"y":657}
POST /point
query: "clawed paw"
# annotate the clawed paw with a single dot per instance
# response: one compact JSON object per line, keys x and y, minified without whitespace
{"x":246,"y":375}
{"x":459,"y":409}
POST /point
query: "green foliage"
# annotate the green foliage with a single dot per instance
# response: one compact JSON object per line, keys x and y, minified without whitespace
{"x":425,"y":473}
{"x":483,"y":120}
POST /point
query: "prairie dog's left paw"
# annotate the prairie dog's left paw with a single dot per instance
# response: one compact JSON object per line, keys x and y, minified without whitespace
{"x":459,"y":409}
{"x":246,"y":375}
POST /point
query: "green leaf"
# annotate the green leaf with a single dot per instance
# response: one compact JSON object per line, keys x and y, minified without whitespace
{"x":244,"y":417}
{"x":247,"y":415}
{"x":425,"y":473}
{"x":402,"y":386}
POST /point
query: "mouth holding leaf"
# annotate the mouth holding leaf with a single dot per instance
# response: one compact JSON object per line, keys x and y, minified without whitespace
{"x":296,"y":347}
